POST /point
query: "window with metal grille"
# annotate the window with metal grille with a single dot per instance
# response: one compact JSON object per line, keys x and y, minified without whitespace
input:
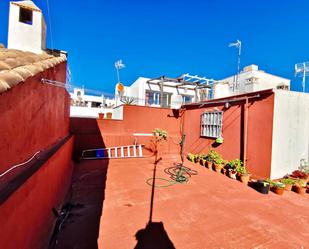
{"x":211,"y":124}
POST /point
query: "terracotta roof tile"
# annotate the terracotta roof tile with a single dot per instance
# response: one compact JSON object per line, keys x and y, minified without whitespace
{"x":27,"y":5}
{"x":16,"y":66}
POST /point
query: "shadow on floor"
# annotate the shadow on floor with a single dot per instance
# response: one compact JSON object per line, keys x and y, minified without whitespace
{"x":153,"y":236}
{"x":79,"y":228}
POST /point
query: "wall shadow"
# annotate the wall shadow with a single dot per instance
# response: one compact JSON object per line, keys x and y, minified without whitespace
{"x":80,"y":222}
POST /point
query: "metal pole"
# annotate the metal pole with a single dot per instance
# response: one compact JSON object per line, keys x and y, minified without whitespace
{"x":304,"y":78}
{"x":118,"y":76}
{"x":238,"y":63}
{"x":245,"y":132}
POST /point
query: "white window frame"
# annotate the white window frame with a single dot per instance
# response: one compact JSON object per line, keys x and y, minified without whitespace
{"x":211,"y":124}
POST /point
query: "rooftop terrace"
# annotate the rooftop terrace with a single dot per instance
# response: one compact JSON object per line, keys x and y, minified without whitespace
{"x":209,"y":211}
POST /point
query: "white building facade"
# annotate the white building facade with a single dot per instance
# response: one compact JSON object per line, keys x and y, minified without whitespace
{"x":147,"y":93}
{"x":290,"y":138}
{"x":27,"y":28}
{"x":250,"y":79}
{"x":85,"y":105}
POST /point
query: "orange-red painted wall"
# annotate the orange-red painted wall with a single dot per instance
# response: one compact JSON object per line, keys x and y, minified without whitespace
{"x":26,"y":218}
{"x":33,"y":116}
{"x":142,"y":119}
{"x":259,"y":141}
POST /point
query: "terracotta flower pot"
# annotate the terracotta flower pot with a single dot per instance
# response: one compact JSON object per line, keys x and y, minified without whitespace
{"x":101,"y":115}
{"x":109,"y":115}
{"x":299,"y":190}
{"x":218,"y":167}
{"x":244,"y":178}
{"x":288,"y":187}
{"x":202,"y":162}
{"x":277,"y":190}
{"x":209,"y":165}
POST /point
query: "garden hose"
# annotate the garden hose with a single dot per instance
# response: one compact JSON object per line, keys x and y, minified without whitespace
{"x":177,"y":175}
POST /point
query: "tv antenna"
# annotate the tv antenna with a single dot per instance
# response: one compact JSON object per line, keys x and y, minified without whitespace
{"x":119,"y":65}
{"x":237,"y":44}
{"x":302,"y":70}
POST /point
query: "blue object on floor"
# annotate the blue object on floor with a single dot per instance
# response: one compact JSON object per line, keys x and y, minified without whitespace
{"x":99,"y":153}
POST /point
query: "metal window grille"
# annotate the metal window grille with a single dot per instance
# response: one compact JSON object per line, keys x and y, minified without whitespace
{"x":211,"y":124}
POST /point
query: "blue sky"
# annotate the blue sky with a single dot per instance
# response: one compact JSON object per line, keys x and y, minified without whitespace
{"x":170,"y":37}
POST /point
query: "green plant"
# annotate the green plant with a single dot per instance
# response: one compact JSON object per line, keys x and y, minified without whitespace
{"x":275,"y":184}
{"x":213,"y":156}
{"x":301,"y":183}
{"x":288,"y":181}
{"x":220,"y":160}
{"x":191,"y":157}
{"x":236,"y":163}
{"x":160,"y":134}
{"x":242,"y":170}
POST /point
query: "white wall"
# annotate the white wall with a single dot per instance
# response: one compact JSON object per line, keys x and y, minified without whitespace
{"x":24,"y":36}
{"x":249,"y":80}
{"x":290,"y":132}
{"x":88,"y":112}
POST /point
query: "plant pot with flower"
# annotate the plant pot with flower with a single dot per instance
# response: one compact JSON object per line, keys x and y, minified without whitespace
{"x":231,"y":167}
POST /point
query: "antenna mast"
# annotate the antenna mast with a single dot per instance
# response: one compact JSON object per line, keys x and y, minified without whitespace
{"x":302,"y":70}
{"x":237,"y":44}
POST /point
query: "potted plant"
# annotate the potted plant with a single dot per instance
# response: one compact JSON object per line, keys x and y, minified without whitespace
{"x":243,"y":173}
{"x":211,"y":156}
{"x":300,"y":187}
{"x":300,"y":175}
{"x":202,"y":159}
{"x":288,"y":183}
{"x":109,"y":115}
{"x":209,"y":160}
{"x":191,"y":157}
{"x":231,"y":167}
{"x":262,"y":186}
{"x":219,"y":162}
{"x":101,"y":115}
{"x":277,"y":187}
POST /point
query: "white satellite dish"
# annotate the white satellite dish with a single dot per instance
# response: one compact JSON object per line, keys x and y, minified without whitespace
{"x":176,"y":101}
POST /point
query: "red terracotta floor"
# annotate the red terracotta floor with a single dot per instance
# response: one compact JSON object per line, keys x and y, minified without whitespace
{"x":209,"y":211}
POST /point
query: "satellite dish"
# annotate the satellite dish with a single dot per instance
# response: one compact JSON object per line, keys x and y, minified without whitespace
{"x":176,"y":101}
{"x":120,"y":89}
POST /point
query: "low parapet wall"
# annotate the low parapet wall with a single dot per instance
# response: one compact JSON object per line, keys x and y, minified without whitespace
{"x":26,"y":216}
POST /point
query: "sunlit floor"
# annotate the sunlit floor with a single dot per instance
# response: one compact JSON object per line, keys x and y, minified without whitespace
{"x":208,"y":211}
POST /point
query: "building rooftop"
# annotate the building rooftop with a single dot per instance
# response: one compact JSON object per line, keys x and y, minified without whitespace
{"x":209,"y":211}
{"x":16,"y":66}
